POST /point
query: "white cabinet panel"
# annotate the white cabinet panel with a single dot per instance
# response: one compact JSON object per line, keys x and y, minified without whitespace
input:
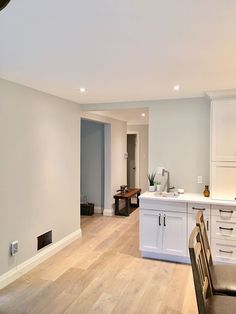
{"x":223,"y":230}
{"x":155,"y":204}
{"x":163,"y":232}
{"x":223,"y":179}
{"x":175,"y":233}
{"x":192,"y":224}
{"x":193,"y":208}
{"x":150,"y":231}
{"x":225,"y":213}
{"x":224,"y":251}
{"x":224,"y":129}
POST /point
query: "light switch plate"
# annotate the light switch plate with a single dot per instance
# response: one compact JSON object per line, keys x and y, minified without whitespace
{"x":199,"y":179}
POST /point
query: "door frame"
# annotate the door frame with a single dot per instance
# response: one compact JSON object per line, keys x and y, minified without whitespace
{"x":137,"y":162}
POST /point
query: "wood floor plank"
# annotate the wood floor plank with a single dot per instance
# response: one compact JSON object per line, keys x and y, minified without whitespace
{"x":102,"y":273}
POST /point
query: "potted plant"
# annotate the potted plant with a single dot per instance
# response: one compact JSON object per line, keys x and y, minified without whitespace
{"x":158,"y":185}
{"x":151,"y":180}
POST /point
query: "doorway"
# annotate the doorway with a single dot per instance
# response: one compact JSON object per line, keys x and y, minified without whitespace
{"x":92,"y":164}
{"x":132,"y":160}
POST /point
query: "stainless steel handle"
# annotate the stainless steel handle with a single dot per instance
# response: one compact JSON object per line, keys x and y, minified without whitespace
{"x":223,"y":228}
{"x":159,"y":219}
{"x":164,"y":220}
{"x":223,"y":251}
{"x":196,"y":208}
{"x":226,"y":211}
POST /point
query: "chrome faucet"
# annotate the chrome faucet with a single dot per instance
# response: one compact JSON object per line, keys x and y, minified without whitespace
{"x":168,"y":187}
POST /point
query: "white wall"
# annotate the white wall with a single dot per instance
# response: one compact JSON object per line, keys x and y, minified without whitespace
{"x":92,"y":162}
{"x":39,"y":169}
{"x":142,"y":130}
{"x":117,"y":144}
{"x":179,"y":137}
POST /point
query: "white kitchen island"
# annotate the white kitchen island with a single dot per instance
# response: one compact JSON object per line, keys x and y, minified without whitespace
{"x":166,"y":223}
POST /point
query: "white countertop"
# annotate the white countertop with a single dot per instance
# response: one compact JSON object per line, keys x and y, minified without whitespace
{"x":186,"y":197}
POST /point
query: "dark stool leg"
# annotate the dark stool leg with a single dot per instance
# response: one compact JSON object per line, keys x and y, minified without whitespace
{"x":127,"y":201}
{"x":116,"y":206}
{"x":138,"y":194}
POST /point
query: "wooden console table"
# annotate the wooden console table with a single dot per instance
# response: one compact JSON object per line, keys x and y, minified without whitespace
{"x":127,"y":197}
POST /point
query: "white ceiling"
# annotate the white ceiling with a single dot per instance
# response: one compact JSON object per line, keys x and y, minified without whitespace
{"x":119,"y":50}
{"x":131,"y":116}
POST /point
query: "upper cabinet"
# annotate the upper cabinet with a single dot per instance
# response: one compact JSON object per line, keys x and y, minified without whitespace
{"x":223,"y":146}
{"x":223,"y":180}
{"x":223,"y":126}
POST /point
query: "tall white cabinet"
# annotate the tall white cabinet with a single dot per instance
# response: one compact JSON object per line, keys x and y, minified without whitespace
{"x":223,"y":147}
{"x":223,"y":113}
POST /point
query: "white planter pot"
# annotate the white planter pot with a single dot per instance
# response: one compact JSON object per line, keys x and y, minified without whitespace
{"x":158,"y":188}
{"x":151,"y":188}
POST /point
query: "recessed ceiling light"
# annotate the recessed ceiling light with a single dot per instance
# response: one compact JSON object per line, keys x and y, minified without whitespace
{"x":176,"y":87}
{"x":143,"y":114}
{"x":82,"y":89}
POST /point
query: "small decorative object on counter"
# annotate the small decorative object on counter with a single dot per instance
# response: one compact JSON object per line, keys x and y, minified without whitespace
{"x":158,"y":185}
{"x":206,"y":192}
{"x":151,"y":180}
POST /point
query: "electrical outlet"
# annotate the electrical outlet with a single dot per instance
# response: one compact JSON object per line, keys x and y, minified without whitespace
{"x":14,"y":247}
{"x":160,"y":170}
{"x":199,"y":179}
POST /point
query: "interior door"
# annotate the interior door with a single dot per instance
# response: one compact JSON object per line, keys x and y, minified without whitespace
{"x":131,"y":164}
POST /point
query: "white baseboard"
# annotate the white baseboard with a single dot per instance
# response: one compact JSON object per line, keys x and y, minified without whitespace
{"x":108,"y":212}
{"x":97,"y":210}
{"x":41,"y":256}
{"x":166,"y":257}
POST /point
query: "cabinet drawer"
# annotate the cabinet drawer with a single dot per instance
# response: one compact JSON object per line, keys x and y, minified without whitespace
{"x":192,"y":224}
{"x":193,"y":208}
{"x":223,"y":229}
{"x":164,"y":205}
{"x":225,"y":213}
{"x":224,"y":251}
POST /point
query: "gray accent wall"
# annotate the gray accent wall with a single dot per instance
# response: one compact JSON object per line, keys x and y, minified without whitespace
{"x":39,"y":169}
{"x":92,"y":162}
{"x":179,"y":140}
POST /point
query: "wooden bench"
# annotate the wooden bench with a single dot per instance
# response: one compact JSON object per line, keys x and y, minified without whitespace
{"x":127,"y":197}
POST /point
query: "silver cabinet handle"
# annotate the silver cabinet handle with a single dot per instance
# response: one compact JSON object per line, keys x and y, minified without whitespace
{"x":223,"y":228}
{"x":223,"y":251}
{"x":196,"y":208}
{"x":159,"y":219}
{"x":164,"y":220}
{"x":226,"y":211}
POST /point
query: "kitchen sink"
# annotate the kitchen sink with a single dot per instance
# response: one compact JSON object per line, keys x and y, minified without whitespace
{"x":166,"y":194}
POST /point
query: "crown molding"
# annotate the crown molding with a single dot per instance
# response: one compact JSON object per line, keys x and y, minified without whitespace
{"x":220,"y":94}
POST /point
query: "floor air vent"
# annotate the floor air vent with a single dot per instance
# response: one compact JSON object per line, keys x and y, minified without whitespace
{"x":44,"y":239}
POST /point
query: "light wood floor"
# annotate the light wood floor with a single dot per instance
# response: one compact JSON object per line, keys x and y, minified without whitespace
{"x":103,"y":273}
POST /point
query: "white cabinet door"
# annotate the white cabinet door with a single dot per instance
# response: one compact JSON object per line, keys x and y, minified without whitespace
{"x":175,"y":233}
{"x":224,"y":129}
{"x":150,"y":231}
{"x":223,"y":180}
